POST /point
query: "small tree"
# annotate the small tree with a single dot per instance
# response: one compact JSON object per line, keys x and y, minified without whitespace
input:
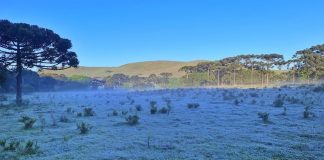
{"x":25,"y":46}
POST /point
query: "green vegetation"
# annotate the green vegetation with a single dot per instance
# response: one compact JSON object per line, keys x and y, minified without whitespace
{"x":80,"y":78}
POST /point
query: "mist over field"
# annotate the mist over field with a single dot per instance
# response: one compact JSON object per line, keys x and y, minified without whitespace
{"x":146,"y":80}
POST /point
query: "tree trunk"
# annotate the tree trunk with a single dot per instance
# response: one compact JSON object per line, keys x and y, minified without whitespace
{"x":218,"y":83}
{"x":252,"y":76}
{"x":294,"y":77}
{"x":234,"y":83}
{"x":19,"y":79}
{"x":261,"y":79}
{"x":267,"y":79}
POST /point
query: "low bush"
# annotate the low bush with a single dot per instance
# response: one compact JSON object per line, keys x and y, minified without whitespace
{"x":83,"y":127}
{"x":192,"y":105}
{"x":236,"y":102}
{"x":12,"y":146}
{"x":124,"y":113}
{"x":255,"y":95}
{"x":132,"y":120}
{"x":319,"y":88}
{"x":79,"y":114}
{"x":163,"y":110}
{"x":264,"y":116}
{"x":115,"y":113}
{"x":28,"y":121}
{"x":153,"y":109}
{"x":64,"y":118}
{"x":307,"y":113}
{"x":138,"y":107}
{"x":87,"y":112}
{"x":30,"y":148}
{"x":278,"y":102}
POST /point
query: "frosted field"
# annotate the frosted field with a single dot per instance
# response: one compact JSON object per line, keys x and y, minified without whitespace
{"x":224,"y":126}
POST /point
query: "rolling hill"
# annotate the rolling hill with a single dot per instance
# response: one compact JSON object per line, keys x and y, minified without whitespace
{"x":143,"y":69}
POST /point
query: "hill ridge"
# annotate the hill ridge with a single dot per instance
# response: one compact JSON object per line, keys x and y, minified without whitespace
{"x":144,"y":68}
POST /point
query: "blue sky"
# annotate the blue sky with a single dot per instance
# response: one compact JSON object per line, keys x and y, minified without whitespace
{"x":115,"y":32}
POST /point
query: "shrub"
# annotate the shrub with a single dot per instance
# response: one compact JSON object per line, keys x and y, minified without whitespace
{"x":115,"y":113}
{"x":254,"y":95}
{"x":30,"y":148}
{"x":28,"y":121}
{"x":284,"y":112}
{"x":88,"y":112}
{"x":79,"y":114}
{"x":2,"y":142}
{"x":64,"y":118}
{"x":264,"y":116}
{"x":153,"y":109}
{"x":12,"y":146}
{"x":319,"y":88}
{"x":278,"y":102}
{"x":69,"y":110}
{"x":84,"y":128}
{"x":153,"y":103}
{"x":132,"y":120}
{"x":307,"y":113}
{"x":236,"y":102}
{"x":124,"y":113}
{"x":192,"y":105}
{"x":163,"y":110}
{"x":138,"y":107}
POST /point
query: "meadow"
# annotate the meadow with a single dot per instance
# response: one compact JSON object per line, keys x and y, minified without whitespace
{"x":189,"y":123}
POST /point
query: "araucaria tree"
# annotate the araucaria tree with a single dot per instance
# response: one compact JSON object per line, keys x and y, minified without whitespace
{"x":24,"y":46}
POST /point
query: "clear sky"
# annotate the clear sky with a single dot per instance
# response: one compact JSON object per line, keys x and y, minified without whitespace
{"x":115,"y":32}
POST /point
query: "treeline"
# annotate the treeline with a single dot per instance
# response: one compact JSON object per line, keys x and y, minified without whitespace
{"x":305,"y":66}
{"x":32,"y":82}
{"x":260,"y":69}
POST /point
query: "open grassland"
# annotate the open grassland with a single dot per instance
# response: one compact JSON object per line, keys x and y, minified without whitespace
{"x":274,"y":123}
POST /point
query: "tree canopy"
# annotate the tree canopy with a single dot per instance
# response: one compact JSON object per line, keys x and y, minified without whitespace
{"x":29,"y":46}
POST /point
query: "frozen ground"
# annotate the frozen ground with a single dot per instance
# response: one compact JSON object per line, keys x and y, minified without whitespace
{"x":217,"y":129}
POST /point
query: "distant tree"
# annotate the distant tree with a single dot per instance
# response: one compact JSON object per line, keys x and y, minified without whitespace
{"x":249,"y":62}
{"x":187,"y":70}
{"x":165,"y":77}
{"x":309,"y":63}
{"x":153,"y":78}
{"x":29,"y":46}
{"x":117,"y":80}
{"x":269,"y":61}
{"x":232,"y":64}
{"x":205,"y":67}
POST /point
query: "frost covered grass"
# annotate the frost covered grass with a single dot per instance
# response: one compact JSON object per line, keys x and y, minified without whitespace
{"x":203,"y":124}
